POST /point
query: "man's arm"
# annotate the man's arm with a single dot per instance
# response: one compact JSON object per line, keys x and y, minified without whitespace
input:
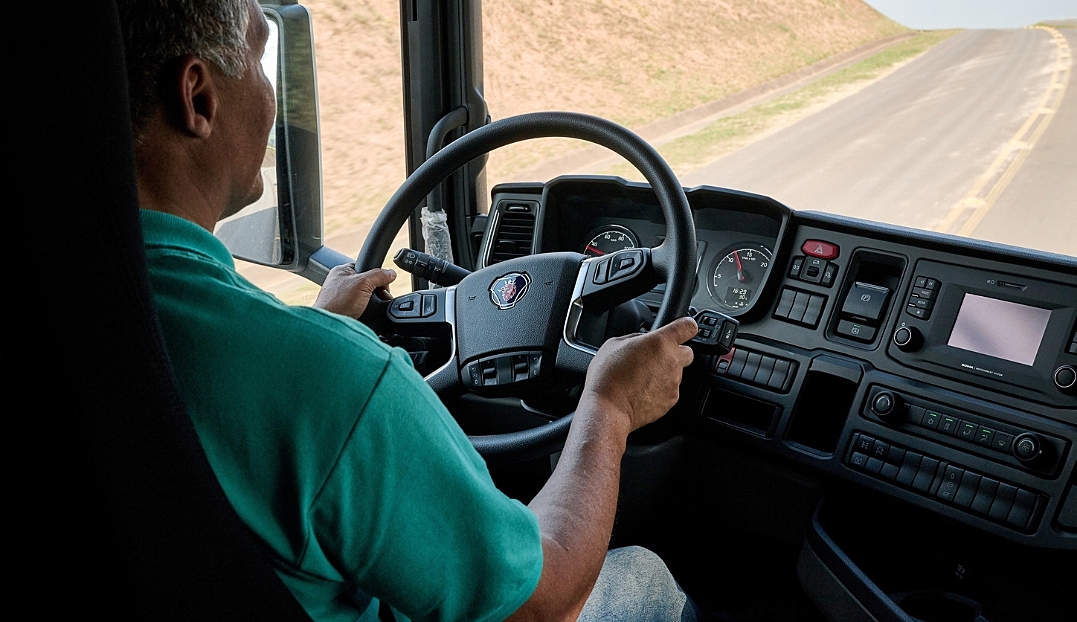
{"x":632,"y":381}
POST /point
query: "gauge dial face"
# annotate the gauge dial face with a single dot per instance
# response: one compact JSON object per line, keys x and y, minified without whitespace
{"x":609,"y":239}
{"x":738,"y":275}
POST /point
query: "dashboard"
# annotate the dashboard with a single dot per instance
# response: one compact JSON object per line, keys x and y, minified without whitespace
{"x":935,"y":372}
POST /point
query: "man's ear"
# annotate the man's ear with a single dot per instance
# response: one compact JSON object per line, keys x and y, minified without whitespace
{"x":198,"y":97}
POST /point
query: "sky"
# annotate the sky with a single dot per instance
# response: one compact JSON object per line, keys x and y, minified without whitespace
{"x":930,"y":14}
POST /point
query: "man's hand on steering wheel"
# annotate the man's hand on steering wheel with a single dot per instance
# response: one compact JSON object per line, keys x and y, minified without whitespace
{"x":638,"y":376}
{"x":347,"y":292}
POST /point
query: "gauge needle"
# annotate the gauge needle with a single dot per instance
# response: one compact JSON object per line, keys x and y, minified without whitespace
{"x":594,"y":250}
{"x":740,"y":269}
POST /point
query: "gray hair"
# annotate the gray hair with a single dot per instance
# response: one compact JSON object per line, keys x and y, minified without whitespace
{"x":158,"y":32}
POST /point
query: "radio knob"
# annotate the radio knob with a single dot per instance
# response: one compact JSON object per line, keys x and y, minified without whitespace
{"x":1066,"y":379}
{"x":1027,"y":447}
{"x":908,"y":339}
{"x":887,"y":406}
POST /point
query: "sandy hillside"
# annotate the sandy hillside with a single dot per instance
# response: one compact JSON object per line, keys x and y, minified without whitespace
{"x":629,"y":60}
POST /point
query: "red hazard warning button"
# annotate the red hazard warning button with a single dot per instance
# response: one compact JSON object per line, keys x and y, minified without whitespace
{"x":820,"y":249}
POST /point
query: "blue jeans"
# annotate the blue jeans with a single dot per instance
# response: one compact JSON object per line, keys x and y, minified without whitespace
{"x":636,"y":586}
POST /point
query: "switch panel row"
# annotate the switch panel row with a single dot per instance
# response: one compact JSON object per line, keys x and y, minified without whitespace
{"x":947,"y":483}
{"x":757,"y":368}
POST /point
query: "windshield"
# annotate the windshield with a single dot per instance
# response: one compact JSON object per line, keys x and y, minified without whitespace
{"x":829,"y":106}
{"x":955,"y":117}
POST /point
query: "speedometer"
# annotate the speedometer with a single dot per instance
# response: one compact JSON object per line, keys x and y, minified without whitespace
{"x":738,"y":275}
{"x":609,"y":239}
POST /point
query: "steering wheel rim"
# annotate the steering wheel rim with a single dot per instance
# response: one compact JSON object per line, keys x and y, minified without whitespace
{"x":674,"y":259}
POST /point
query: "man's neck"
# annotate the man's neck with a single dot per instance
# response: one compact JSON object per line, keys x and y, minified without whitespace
{"x":171,"y":178}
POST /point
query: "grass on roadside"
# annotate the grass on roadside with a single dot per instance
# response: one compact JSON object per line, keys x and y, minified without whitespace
{"x":732,"y":132}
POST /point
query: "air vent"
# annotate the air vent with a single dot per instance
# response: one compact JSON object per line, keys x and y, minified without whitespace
{"x":515,"y":230}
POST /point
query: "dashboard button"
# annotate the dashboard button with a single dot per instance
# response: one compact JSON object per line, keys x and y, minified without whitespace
{"x":967,"y":431}
{"x":829,"y":273}
{"x":786,"y":303}
{"x":984,"y":436}
{"x":951,"y":479}
{"x":854,"y":330}
{"x":931,"y":419}
{"x":908,"y":468}
{"x":800,"y":305}
{"x":880,"y":449}
{"x":932,"y":284}
{"x":740,"y":357}
{"x":948,"y":424}
{"x":864,"y":443}
{"x":766,"y":367}
{"x":866,"y":301}
{"x":1023,"y":503}
{"x":917,"y":312}
{"x":1001,"y":442}
{"x":970,"y":482}
{"x":889,"y":471}
{"x":751,"y":365}
{"x":779,"y":375}
{"x":1000,"y":507}
{"x":794,"y":270}
{"x":925,"y":475}
{"x":874,"y":465}
{"x":820,"y":249}
{"x":916,"y":414}
{"x":924,"y":293}
{"x":858,"y":460}
{"x":814,"y":310}
{"x":812,"y":272}
{"x":985,"y":495}
{"x":895,"y":456}
{"x":921,"y":281}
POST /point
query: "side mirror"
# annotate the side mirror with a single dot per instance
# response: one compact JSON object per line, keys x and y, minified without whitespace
{"x":284,"y":226}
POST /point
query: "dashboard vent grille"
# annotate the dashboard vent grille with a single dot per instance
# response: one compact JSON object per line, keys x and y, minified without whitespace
{"x":515,"y":231}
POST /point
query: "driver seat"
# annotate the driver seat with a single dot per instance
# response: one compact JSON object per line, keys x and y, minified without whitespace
{"x":115,"y":504}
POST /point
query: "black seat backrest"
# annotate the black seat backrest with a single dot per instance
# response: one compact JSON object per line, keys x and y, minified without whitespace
{"x":117,"y":508}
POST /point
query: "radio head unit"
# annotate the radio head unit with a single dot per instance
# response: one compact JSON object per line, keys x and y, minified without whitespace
{"x":1009,"y":333}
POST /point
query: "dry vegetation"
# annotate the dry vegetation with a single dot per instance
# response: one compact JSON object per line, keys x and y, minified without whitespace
{"x":633,"y":61}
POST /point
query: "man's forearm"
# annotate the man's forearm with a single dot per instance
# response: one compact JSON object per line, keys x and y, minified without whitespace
{"x":576,"y":509}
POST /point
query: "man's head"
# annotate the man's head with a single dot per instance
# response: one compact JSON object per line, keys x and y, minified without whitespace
{"x":201,"y":106}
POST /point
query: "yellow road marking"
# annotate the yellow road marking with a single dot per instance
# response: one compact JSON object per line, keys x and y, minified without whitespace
{"x":1014,"y":152}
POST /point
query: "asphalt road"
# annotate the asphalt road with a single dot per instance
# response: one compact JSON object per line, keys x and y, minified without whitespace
{"x":976,"y":137}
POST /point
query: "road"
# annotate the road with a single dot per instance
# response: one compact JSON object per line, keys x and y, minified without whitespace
{"x":976,"y":137}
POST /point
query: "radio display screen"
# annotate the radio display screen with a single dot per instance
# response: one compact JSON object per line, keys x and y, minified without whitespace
{"x":998,"y":328}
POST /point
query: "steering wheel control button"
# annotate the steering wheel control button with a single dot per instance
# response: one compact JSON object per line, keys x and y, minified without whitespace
{"x":430,"y":305}
{"x":408,"y":306}
{"x":602,"y":269}
{"x":624,"y":264}
{"x":820,"y":249}
{"x":908,"y":338}
{"x":717,"y":332}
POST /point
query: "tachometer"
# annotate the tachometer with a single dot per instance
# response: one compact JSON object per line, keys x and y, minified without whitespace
{"x":609,"y":239}
{"x":738,"y":275}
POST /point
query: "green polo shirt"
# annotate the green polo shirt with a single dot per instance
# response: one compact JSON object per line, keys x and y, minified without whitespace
{"x":333,"y":450}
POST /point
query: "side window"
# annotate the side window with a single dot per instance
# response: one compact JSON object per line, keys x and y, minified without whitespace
{"x":357,"y":51}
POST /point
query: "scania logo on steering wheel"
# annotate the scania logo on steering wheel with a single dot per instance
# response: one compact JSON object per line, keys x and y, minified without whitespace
{"x":506,"y":291}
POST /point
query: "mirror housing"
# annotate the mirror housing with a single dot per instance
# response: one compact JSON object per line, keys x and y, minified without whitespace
{"x":296,"y":233}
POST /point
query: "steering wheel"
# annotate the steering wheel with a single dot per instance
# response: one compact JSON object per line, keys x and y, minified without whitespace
{"x":514,"y":324}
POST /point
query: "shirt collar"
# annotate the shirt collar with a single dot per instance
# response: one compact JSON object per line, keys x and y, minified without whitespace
{"x":163,"y":230}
